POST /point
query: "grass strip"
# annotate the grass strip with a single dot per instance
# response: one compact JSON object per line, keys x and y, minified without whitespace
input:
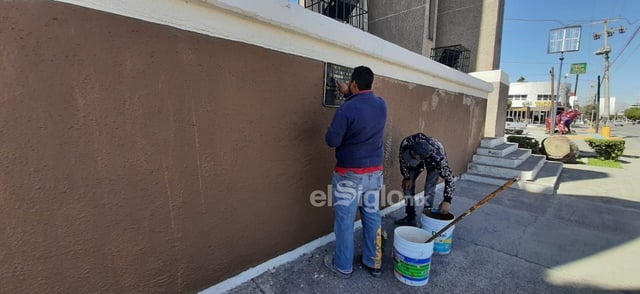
{"x":604,"y":163}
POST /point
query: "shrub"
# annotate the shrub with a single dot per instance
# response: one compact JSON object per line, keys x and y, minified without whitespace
{"x":607,"y":149}
{"x":526,"y":142}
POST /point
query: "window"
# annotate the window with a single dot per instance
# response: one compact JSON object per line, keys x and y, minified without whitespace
{"x":546,"y":97}
{"x":456,"y":56}
{"x":517,"y":97}
{"x":352,"y":12}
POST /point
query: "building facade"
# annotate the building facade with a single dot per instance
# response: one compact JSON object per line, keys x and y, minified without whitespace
{"x":424,"y":25}
{"x":532,"y":102}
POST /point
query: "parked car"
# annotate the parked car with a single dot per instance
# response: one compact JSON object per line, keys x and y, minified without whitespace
{"x":513,"y":127}
{"x":618,"y":123}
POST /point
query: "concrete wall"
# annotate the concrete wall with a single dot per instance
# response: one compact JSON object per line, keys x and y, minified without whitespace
{"x":138,"y":157}
{"x":490,"y":36}
{"x":477,"y":25}
{"x":496,"y":102}
{"x":402,"y":22}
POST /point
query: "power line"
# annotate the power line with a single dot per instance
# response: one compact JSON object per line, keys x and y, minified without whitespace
{"x":634,"y":50}
{"x":628,"y":56}
{"x":535,"y":20}
{"x":626,"y":45}
{"x":517,"y":62}
{"x":571,"y":21}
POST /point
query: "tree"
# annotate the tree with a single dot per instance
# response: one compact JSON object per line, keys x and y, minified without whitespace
{"x":587,"y":109}
{"x":632,"y":113}
{"x":578,"y":108}
{"x":521,"y":79}
{"x":509,"y":103}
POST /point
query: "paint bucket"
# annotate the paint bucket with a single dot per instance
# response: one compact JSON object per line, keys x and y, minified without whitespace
{"x":411,"y":255}
{"x":432,"y":222}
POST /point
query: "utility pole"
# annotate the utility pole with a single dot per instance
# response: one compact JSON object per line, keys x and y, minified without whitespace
{"x":598,"y":106}
{"x":605,"y":51}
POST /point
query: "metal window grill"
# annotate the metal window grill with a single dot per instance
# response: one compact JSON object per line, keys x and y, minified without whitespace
{"x":456,"y":56}
{"x":352,"y":12}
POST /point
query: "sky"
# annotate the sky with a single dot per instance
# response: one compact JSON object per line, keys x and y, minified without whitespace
{"x":526,"y":34}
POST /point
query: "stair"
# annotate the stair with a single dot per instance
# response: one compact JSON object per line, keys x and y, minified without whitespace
{"x":496,"y":161}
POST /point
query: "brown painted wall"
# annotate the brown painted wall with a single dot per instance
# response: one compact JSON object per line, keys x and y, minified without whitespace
{"x":136,"y":157}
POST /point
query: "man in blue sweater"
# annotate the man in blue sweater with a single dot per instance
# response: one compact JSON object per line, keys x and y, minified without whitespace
{"x":357,"y":134}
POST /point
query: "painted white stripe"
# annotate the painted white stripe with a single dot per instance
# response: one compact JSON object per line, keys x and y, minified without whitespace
{"x":253,"y":272}
{"x":290,"y":28}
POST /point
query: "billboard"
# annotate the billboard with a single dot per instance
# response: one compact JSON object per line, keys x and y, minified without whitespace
{"x":565,"y":39}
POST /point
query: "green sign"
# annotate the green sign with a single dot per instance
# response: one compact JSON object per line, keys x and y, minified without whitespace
{"x":578,"y":68}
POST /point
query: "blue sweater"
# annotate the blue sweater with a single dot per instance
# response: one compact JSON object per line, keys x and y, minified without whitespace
{"x":357,"y":131}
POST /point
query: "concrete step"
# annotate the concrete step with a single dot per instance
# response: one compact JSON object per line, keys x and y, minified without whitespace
{"x":527,"y":170}
{"x":545,"y":183}
{"x":510,"y":160}
{"x":499,"y":150}
{"x":549,"y":174}
{"x":489,"y":142}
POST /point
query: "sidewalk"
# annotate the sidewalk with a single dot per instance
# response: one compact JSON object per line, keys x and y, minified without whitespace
{"x":585,"y":239}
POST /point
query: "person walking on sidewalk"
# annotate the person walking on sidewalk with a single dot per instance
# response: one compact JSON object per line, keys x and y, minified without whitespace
{"x":356,"y":133}
{"x":417,"y":153}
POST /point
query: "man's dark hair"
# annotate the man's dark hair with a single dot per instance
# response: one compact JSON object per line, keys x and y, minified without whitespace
{"x":363,"y":76}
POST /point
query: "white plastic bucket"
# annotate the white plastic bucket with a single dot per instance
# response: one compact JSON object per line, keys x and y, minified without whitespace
{"x":411,"y":255}
{"x":432,"y":223}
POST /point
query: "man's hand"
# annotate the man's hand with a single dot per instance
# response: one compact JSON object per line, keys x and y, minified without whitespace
{"x":444,"y":207}
{"x":407,"y":184}
{"x":342,"y":87}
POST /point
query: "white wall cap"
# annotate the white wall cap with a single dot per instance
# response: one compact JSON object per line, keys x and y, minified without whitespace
{"x":290,"y":28}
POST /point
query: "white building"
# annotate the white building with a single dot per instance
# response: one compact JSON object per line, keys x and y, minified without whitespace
{"x":534,"y":94}
{"x":573,"y":101}
{"x":612,"y":106}
{"x":532,"y":101}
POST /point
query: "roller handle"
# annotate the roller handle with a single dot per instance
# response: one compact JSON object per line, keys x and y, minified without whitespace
{"x":474,"y":207}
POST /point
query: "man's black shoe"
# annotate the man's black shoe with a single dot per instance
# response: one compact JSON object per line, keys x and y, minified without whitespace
{"x":375,"y":272}
{"x":409,"y":220}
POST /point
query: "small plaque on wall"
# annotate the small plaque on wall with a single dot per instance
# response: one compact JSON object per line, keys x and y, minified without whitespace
{"x":332,"y":74}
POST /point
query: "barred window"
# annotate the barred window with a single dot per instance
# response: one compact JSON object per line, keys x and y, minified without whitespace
{"x":353,"y":12}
